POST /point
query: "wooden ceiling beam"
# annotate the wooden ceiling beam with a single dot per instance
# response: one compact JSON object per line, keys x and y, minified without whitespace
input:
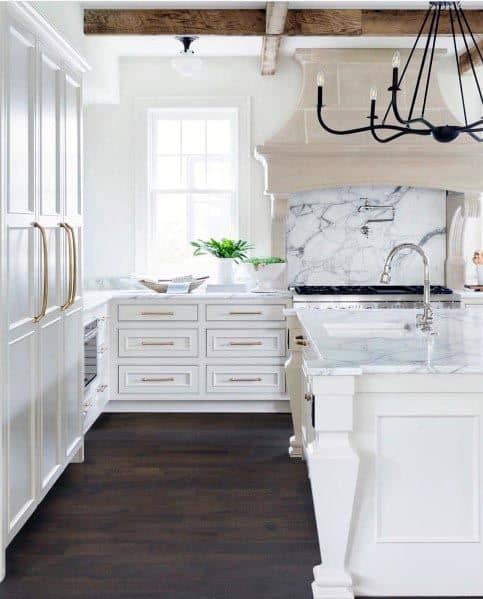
{"x":276,"y":16}
{"x":320,"y":22}
{"x":464,"y":58}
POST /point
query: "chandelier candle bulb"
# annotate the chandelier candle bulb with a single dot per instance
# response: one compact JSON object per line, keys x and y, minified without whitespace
{"x":373,"y":93}
{"x":320,"y":79}
{"x":396,"y":60}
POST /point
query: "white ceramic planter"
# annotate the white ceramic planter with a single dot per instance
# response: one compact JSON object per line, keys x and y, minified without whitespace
{"x":266,"y":275}
{"x":225,"y":271}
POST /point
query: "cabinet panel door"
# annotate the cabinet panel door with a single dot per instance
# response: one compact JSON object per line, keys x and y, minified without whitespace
{"x":50,"y":400}
{"x":21,"y":438}
{"x":73,"y":206}
{"x":20,"y":95}
{"x":72,"y":380}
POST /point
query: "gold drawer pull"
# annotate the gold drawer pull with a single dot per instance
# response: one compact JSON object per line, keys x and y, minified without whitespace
{"x":245,"y":343}
{"x":303,"y":343}
{"x":236,"y":380}
{"x":157,"y":342}
{"x":156,"y":313}
{"x":103,"y":349}
{"x":148,"y":379}
{"x":235,"y":313}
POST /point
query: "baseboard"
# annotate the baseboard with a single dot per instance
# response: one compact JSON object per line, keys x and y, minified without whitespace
{"x":268,"y":406}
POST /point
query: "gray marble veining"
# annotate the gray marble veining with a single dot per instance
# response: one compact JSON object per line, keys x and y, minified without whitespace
{"x":387,"y":342}
{"x":327,"y":244}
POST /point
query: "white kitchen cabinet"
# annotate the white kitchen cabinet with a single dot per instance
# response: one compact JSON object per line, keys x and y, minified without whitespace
{"x":40,"y":327}
{"x":199,"y":352}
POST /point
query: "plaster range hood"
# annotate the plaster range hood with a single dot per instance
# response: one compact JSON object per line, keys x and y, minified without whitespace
{"x":302,"y":156}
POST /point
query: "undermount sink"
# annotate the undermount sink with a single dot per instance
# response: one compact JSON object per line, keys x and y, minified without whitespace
{"x":379,"y":329}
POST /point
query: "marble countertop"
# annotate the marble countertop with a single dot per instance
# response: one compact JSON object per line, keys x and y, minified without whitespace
{"x":387,"y":342}
{"x":93,"y":299}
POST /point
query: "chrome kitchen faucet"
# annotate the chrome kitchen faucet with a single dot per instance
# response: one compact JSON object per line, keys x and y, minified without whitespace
{"x":424,"y":320}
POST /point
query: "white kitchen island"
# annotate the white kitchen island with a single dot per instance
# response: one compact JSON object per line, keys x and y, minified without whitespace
{"x":390,"y":429}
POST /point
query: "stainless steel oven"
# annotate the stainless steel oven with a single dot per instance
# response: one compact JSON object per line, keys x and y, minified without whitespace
{"x":90,"y":352}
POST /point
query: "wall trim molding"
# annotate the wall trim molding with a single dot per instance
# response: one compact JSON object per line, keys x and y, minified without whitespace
{"x":36,"y":23}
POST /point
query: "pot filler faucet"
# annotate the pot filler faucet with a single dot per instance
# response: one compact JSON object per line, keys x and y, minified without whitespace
{"x":424,"y":320}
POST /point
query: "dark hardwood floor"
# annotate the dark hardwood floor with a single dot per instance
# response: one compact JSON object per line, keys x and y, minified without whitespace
{"x":177,"y":506}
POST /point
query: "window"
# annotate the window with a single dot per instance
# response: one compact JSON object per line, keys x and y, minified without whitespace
{"x":192,"y":181}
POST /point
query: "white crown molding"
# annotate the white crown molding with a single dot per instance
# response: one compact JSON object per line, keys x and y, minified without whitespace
{"x":25,"y":12}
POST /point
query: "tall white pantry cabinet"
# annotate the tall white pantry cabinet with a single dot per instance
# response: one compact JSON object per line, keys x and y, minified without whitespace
{"x":40,"y":262}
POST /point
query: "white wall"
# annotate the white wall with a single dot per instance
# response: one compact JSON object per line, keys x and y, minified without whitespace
{"x":109,"y":148}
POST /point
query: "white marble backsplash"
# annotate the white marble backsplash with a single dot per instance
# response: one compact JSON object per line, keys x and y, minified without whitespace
{"x":326,"y":243}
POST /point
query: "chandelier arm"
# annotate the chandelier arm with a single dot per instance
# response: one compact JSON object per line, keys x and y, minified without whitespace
{"x":457,"y":64}
{"x":468,"y":53}
{"x":475,"y":136}
{"x":421,"y":67}
{"x":367,"y":128}
{"x":374,"y":127}
{"x":430,"y":67}
{"x":472,"y":125}
{"x":413,"y":49}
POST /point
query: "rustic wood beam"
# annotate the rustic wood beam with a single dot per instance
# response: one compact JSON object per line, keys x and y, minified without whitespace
{"x":407,"y":22}
{"x":464,"y":58}
{"x":276,"y":15}
{"x":242,"y":22}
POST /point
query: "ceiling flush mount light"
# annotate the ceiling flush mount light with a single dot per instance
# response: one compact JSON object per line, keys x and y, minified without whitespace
{"x":416,"y":123}
{"x":186,"y":64}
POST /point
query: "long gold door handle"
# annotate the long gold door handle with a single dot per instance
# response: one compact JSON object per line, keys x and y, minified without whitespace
{"x":45,"y":278}
{"x":74,"y":265}
{"x":66,"y":304}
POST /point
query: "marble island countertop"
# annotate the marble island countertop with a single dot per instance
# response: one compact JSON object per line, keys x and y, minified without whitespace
{"x":387,"y":342}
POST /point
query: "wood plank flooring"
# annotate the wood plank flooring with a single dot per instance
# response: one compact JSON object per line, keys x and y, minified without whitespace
{"x":176,"y":506}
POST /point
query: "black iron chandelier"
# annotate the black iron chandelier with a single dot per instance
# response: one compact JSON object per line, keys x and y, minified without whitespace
{"x":416,"y":123}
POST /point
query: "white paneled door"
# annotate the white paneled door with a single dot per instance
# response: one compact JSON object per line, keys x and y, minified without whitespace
{"x":23,"y":249}
{"x":40,"y":262}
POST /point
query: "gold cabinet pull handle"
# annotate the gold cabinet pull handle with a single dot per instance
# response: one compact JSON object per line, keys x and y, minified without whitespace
{"x":157,"y":342}
{"x":156,"y":313}
{"x":66,"y":304}
{"x":73,"y":286}
{"x":148,"y":379}
{"x":237,"y":380}
{"x":245,"y":343}
{"x":45,"y":269}
{"x":237,"y":313}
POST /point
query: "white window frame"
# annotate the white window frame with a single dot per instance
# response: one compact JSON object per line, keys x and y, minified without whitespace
{"x":144,"y":107}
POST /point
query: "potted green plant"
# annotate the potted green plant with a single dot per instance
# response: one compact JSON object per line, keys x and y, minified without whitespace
{"x":227,"y":252}
{"x":266,"y":271}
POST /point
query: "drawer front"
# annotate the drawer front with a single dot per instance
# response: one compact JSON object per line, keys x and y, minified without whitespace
{"x":158,"y":312}
{"x":238,"y":343}
{"x":245,"y":379}
{"x":242,"y":312}
{"x":168,"y":343}
{"x":158,"y":379}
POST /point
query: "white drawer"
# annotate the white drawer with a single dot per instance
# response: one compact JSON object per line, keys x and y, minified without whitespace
{"x":474,"y":307}
{"x":239,"y":343}
{"x":163,"y":312}
{"x":168,"y":343}
{"x":245,"y":312}
{"x":245,"y":379}
{"x":158,"y":379}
